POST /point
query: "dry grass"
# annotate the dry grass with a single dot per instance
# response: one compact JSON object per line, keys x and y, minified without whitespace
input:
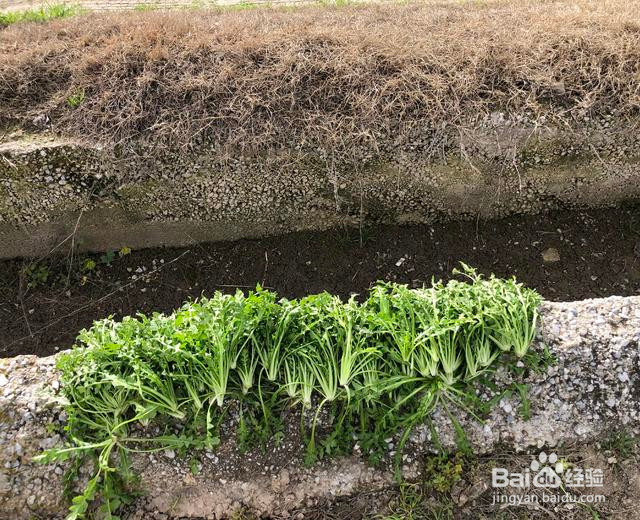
{"x":347,"y":80}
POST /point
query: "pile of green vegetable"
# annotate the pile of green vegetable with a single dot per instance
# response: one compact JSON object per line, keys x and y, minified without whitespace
{"x":378,"y":368}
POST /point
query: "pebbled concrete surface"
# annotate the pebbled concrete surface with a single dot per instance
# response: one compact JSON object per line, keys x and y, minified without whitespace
{"x":590,"y":391}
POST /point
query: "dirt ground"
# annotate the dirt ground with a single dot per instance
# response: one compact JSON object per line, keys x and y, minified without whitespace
{"x":43,"y":304}
{"x":458,"y":487}
{"x":461,"y":489}
{"x":565,"y":255}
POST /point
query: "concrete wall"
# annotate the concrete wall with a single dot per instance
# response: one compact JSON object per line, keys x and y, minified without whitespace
{"x":52,"y":188}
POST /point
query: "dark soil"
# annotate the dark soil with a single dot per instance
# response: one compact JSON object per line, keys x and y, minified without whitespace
{"x":599,"y":256}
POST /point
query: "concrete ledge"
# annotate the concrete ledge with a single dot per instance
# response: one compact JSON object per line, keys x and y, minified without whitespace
{"x":592,"y":390}
{"x":51,"y":188}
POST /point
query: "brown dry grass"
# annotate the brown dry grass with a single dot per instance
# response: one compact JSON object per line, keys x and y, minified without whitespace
{"x":341,"y":79}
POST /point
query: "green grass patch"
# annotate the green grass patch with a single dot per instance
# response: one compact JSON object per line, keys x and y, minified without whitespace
{"x":378,"y":368}
{"x":621,"y":443}
{"x":42,"y":14}
{"x":410,"y":503}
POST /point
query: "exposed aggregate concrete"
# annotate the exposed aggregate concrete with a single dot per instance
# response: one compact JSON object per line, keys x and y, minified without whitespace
{"x":153,"y":196}
{"x":591,"y":390}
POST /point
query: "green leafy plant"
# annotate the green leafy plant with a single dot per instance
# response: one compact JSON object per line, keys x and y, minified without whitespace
{"x":76,"y":98}
{"x":443,"y":471}
{"x":89,"y":265}
{"x":36,"y":274}
{"x":108,"y":257}
{"x":376,"y":370}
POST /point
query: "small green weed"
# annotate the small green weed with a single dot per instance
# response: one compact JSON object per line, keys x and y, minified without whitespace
{"x":621,"y":443}
{"x":336,"y":3}
{"x":538,"y":362}
{"x":58,"y":270}
{"x":410,"y":504}
{"x":36,"y":274}
{"x":110,"y":255}
{"x":146,"y":7}
{"x":76,"y":98}
{"x":107,"y":257}
{"x":89,"y":264}
{"x":442,"y":471}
